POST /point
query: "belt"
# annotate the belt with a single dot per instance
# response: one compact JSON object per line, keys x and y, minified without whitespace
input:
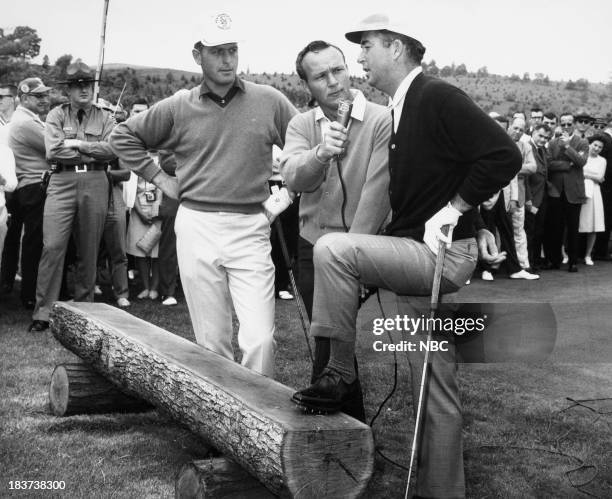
{"x":81,"y":168}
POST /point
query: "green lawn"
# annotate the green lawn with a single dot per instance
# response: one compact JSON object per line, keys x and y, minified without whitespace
{"x":522,"y":438}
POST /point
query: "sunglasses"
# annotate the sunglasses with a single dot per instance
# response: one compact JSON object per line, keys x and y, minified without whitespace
{"x":584,"y":122}
{"x":566,"y":125}
{"x":599,"y":127}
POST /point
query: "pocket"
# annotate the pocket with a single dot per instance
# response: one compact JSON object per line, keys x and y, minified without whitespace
{"x":460,"y":263}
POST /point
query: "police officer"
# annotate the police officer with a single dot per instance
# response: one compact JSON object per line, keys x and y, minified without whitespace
{"x":77,"y":196}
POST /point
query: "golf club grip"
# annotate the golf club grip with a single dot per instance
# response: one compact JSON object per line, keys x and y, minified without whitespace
{"x":435,"y":289}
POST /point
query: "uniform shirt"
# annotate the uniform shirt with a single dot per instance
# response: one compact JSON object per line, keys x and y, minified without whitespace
{"x":62,"y":123}
{"x":27,"y":140}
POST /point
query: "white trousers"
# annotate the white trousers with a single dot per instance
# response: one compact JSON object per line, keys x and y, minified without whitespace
{"x":520,"y":237}
{"x":223,"y":258}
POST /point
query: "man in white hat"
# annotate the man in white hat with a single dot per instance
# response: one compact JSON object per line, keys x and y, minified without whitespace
{"x":221,"y":133}
{"x":446,"y":156}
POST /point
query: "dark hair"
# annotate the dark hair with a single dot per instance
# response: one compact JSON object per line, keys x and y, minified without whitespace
{"x":542,"y":126}
{"x":416,"y":50}
{"x":501,"y":118}
{"x":315,"y":46}
{"x":599,"y":137}
{"x":535,"y":109}
{"x":550,"y":116}
{"x":566,"y":113}
{"x":198,"y":46}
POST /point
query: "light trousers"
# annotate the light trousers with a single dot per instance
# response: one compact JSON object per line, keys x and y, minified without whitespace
{"x":520,"y":237}
{"x":223,"y":258}
{"x":406,"y":267}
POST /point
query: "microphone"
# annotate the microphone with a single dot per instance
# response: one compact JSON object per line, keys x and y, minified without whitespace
{"x":345,"y":107}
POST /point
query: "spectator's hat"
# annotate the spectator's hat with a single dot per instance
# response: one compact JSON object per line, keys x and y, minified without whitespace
{"x":7,"y":91}
{"x":600,"y":122}
{"x":79,"y":72}
{"x":583,"y":115}
{"x":378,"y":22}
{"x":31,"y":86}
{"x":219,"y":28}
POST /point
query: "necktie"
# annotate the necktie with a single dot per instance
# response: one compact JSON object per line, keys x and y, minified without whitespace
{"x":80,"y":114}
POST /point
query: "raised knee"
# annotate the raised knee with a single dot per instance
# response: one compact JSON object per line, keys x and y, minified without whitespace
{"x":329,"y":247}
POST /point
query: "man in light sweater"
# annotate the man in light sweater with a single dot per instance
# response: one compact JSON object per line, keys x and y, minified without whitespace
{"x":221,"y":133}
{"x":27,"y":140}
{"x":344,"y":186}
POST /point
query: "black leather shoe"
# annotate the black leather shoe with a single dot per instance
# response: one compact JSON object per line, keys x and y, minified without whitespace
{"x":326,"y":395}
{"x":38,"y":326}
{"x":572,"y":268}
{"x":29,"y":304}
{"x":550,"y":266}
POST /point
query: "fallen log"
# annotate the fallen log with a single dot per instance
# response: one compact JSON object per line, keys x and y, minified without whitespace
{"x":217,"y":478}
{"x":248,"y":417}
{"x":76,"y":389}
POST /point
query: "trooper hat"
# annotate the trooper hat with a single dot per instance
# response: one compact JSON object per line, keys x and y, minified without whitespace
{"x":218,"y":28}
{"x":378,"y":22}
{"x":79,"y":72}
{"x":31,"y":86}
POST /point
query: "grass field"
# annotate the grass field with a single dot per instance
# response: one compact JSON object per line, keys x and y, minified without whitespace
{"x":522,"y":437}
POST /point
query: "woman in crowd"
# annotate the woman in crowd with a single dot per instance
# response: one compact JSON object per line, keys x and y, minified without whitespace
{"x":592,"y":212}
{"x":144,"y":232}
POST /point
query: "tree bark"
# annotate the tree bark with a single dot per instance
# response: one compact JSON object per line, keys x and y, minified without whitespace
{"x":76,"y":389}
{"x":248,"y":417}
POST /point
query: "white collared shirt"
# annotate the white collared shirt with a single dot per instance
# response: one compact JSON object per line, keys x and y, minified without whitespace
{"x":397,"y":103}
{"x":357,"y":112}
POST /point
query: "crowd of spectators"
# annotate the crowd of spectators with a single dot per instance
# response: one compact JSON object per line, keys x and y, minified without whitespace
{"x":556,"y":211}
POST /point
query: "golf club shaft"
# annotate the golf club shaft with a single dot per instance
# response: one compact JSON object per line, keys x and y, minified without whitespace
{"x":296,"y":293}
{"x":435,"y":300}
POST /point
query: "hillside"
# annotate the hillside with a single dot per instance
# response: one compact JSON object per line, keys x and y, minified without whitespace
{"x":505,"y":94}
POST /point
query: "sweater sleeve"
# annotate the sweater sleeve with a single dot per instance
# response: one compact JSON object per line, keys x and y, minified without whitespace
{"x":299,"y":166}
{"x":31,"y":134}
{"x":152,"y":129}
{"x":374,"y":204}
{"x":285,"y":113}
{"x":490,"y":155}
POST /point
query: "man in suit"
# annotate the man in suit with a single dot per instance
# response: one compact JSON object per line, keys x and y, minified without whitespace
{"x":536,"y":197}
{"x":446,"y":156}
{"x":568,"y":155}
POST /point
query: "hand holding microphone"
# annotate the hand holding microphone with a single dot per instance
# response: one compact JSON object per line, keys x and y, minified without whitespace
{"x":334,"y":141}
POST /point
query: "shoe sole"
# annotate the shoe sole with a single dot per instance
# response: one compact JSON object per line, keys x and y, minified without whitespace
{"x":315,"y":408}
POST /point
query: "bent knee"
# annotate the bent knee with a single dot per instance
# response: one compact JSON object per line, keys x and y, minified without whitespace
{"x":331,"y":247}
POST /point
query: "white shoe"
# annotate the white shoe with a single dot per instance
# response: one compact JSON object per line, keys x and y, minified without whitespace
{"x":588,"y":260}
{"x":170,"y":301}
{"x":123,"y":302}
{"x":565,"y":260}
{"x":143,"y":294}
{"x":523,"y":274}
{"x":285,"y":295}
{"x":97,"y":290}
{"x":487,"y":276}
{"x":131,"y":275}
{"x":467,"y":283}
{"x":153,"y":294}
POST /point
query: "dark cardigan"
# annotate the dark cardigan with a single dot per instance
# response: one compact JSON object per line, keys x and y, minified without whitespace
{"x":445,"y":144}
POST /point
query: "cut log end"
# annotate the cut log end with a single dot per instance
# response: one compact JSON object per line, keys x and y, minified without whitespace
{"x":76,"y":389}
{"x":216,"y":478}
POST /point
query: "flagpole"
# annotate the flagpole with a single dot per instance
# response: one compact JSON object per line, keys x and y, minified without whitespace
{"x":101,"y":54}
